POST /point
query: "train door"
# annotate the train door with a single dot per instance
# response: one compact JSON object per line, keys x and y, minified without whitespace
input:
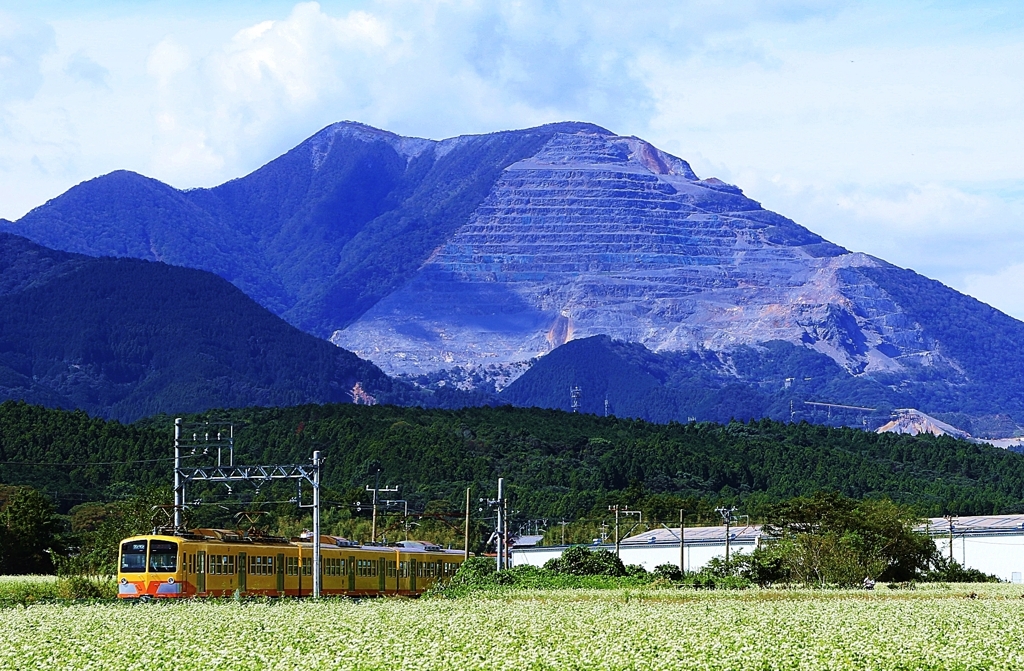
{"x":382,"y":571}
{"x":241,"y":573}
{"x":412,"y":574}
{"x":201,"y":571}
{"x":351,"y":573}
{"x":280,"y":574}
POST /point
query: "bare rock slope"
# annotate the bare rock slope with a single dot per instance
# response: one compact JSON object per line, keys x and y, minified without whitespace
{"x":464,"y":260}
{"x":601,"y":234}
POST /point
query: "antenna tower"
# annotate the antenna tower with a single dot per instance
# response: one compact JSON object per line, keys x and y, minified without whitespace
{"x":574,"y":395}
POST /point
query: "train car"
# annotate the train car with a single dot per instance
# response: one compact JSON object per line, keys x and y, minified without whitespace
{"x":216,"y":562}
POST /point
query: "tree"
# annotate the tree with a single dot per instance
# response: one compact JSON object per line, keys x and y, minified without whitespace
{"x":98,"y":528}
{"x":831,"y":539}
{"x":28,"y":531}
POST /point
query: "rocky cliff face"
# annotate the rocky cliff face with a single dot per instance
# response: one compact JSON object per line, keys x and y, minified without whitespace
{"x":463,"y":260}
{"x":601,"y":234}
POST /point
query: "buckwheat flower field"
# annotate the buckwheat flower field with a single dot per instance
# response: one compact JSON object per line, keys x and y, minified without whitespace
{"x":934,"y":628}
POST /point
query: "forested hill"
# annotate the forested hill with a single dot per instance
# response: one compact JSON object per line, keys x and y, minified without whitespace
{"x":125,"y":338}
{"x":559,"y":465}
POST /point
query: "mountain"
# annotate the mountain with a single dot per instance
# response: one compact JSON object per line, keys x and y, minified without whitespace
{"x":461,"y":262}
{"x":746,"y":382}
{"x":125,"y":338}
{"x":317,"y":236}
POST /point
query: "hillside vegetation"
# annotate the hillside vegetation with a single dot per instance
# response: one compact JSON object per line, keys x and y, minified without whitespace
{"x":558,"y":465}
{"x":124,"y":338}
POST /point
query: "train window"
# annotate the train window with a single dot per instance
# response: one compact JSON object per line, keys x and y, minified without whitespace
{"x":221,"y":564}
{"x":163,"y":556}
{"x":291,"y":565}
{"x":391,"y":569}
{"x":133,"y":557}
{"x":404,"y":569}
{"x":260,"y":565}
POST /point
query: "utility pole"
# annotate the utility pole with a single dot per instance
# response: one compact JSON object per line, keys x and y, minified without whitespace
{"x":500,"y":525}
{"x":317,"y":577}
{"x":949,"y":520}
{"x":179,"y":486}
{"x":682,"y":534}
{"x":504,"y":534}
{"x":466,"y":533}
{"x":618,"y":510}
{"x":726,"y":514}
{"x":376,"y":489}
{"x":563,"y":531}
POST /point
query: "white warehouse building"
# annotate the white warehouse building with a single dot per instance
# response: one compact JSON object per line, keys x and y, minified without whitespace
{"x":993,"y":544}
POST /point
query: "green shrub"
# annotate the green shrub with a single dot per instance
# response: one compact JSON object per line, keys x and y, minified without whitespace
{"x":949,"y":570}
{"x":580,"y":560}
{"x":668,"y":572}
{"x":636,"y":571}
{"x":81,"y":587}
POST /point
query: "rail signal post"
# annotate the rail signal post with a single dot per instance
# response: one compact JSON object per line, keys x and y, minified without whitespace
{"x":200,"y":445}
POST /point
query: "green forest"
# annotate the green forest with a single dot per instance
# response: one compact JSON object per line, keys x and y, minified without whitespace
{"x":558,"y":464}
{"x":559,"y":467}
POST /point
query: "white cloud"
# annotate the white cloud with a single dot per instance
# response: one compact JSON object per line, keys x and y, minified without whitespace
{"x":22,"y":48}
{"x":1003,"y":289}
{"x":85,"y":69}
{"x":890,"y":128}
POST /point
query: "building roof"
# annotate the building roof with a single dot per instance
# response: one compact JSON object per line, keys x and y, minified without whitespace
{"x":936,"y":526}
{"x":745,"y":533}
{"x":528,"y":541}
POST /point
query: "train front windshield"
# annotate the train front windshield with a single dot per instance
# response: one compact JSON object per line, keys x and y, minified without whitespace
{"x":133,"y":557}
{"x":163,"y":556}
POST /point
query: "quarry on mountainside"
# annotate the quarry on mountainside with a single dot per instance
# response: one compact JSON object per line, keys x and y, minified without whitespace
{"x":461,"y":262}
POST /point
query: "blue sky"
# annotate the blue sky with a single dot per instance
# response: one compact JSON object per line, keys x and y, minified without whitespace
{"x":895,"y":129}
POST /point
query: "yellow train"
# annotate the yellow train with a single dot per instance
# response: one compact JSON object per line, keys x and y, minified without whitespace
{"x":215,"y":562}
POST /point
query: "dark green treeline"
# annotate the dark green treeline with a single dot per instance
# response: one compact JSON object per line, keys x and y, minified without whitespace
{"x":558,"y":465}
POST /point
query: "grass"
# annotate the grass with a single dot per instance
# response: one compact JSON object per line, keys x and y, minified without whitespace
{"x":27,"y":589}
{"x":931,"y":627}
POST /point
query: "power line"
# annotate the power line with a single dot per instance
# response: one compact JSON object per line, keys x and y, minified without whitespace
{"x":90,"y":463}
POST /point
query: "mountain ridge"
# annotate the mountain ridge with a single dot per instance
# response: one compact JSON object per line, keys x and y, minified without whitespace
{"x":126,"y":338}
{"x":472,"y":257}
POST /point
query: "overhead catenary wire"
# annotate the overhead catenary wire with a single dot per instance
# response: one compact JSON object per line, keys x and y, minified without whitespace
{"x":92,"y":463}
